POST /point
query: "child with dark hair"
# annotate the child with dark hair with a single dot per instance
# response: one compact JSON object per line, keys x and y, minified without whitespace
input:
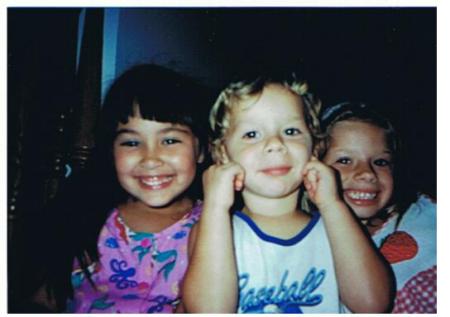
{"x":121,"y":228}
{"x":363,"y":147}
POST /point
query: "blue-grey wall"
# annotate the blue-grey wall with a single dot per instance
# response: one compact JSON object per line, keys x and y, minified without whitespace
{"x":169,"y":37}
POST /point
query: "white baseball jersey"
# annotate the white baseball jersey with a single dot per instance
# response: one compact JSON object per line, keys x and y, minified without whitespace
{"x":284,"y":276}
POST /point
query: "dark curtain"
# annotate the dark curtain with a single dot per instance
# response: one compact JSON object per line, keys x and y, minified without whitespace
{"x":52,"y":110}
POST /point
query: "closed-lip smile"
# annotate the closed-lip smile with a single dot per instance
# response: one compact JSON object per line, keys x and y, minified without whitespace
{"x":276,"y":170}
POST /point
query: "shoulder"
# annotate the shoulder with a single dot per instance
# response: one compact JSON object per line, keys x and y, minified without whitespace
{"x":112,"y":231}
{"x":196,"y":210}
{"x":426,"y":203}
{"x":113,"y":220}
{"x":193,"y":218}
{"x":241,"y":222}
{"x":192,"y":240}
{"x":423,"y":210}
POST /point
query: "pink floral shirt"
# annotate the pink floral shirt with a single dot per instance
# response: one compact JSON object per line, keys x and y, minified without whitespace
{"x":137,"y":272}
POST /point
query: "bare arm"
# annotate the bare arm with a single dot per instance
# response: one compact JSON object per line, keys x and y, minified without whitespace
{"x":365,"y":281}
{"x":210,"y":285}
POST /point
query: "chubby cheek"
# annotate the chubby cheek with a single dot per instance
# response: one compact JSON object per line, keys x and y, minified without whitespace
{"x":387,"y":181}
{"x":244,"y":157}
{"x":123,"y":162}
{"x":343,"y":175}
{"x":302,"y":156}
{"x":185,"y":164}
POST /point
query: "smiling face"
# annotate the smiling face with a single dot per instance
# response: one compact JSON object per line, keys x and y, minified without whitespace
{"x":155,"y":162}
{"x":269,"y":138}
{"x":359,"y":152}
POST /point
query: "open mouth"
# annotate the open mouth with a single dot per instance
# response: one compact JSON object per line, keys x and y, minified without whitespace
{"x":156,"y":182}
{"x":361,"y":195}
{"x":361,"y":198}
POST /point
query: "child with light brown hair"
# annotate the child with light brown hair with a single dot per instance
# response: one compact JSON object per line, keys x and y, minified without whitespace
{"x":363,"y":146}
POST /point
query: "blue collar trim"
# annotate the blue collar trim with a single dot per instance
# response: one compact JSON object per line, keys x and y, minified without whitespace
{"x":285,"y":242}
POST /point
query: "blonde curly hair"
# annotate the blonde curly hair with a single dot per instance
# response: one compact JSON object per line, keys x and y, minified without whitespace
{"x":236,"y":92}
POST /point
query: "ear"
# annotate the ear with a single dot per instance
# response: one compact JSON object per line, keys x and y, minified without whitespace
{"x":199,"y":152}
{"x":223,"y":155}
{"x":201,"y":157}
{"x":319,"y":149}
{"x":219,"y":153}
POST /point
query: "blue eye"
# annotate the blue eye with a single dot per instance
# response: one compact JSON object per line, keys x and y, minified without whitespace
{"x":382,"y":162}
{"x":130,"y":143}
{"x":343,"y":160}
{"x":292,"y":131}
{"x":170,"y":141}
{"x":250,"y":135}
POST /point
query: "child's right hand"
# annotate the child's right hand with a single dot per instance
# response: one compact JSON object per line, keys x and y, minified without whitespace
{"x":219,"y":183}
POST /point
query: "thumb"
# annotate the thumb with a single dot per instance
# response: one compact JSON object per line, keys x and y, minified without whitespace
{"x":238,"y":182}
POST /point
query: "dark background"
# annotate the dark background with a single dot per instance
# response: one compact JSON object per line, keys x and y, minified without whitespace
{"x":383,"y":56}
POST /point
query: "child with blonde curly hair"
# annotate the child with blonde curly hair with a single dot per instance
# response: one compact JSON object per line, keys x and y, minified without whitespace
{"x":268,"y":254}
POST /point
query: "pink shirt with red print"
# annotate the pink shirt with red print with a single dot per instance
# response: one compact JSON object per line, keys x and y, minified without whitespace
{"x":137,"y":272}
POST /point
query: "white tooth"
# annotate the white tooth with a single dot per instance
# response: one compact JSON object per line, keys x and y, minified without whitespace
{"x":155,"y":181}
{"x":361,"y":195}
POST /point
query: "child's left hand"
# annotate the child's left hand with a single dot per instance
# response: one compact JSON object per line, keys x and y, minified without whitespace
{"x":320,"y":183}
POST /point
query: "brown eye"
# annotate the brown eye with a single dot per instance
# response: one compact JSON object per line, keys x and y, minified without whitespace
{"x":382,"y":162}
{"x":292,"y":131}
{"x":344,"y":160}
{"x":130,"y":143}
{"x":250,"y":135}
{"x":170,"y":141}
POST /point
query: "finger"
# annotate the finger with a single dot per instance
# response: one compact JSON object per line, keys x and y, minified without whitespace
{"x":224,"y":160}
{"x":307,"y":185}
{"x":239,"y":181}
{"x":312,"y":175}
{"x":238,"y":184}
{"x":310,"y":188}
{"x":316,"y":166}
{"x":309,"y":166}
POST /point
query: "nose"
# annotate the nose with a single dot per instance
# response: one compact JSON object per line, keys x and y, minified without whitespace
{"x":275,"y":144}
{"x":365,"y":172}
{"x":151,"y":159}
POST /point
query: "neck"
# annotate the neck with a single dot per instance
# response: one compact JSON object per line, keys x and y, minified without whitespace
{"x":143,"y":218}
{"x":278,"y":217}
{"x":257,"y":206}
{"x":178,"y":207}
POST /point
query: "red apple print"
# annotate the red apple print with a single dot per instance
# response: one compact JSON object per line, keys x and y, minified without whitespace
{"x":399,"y":246}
